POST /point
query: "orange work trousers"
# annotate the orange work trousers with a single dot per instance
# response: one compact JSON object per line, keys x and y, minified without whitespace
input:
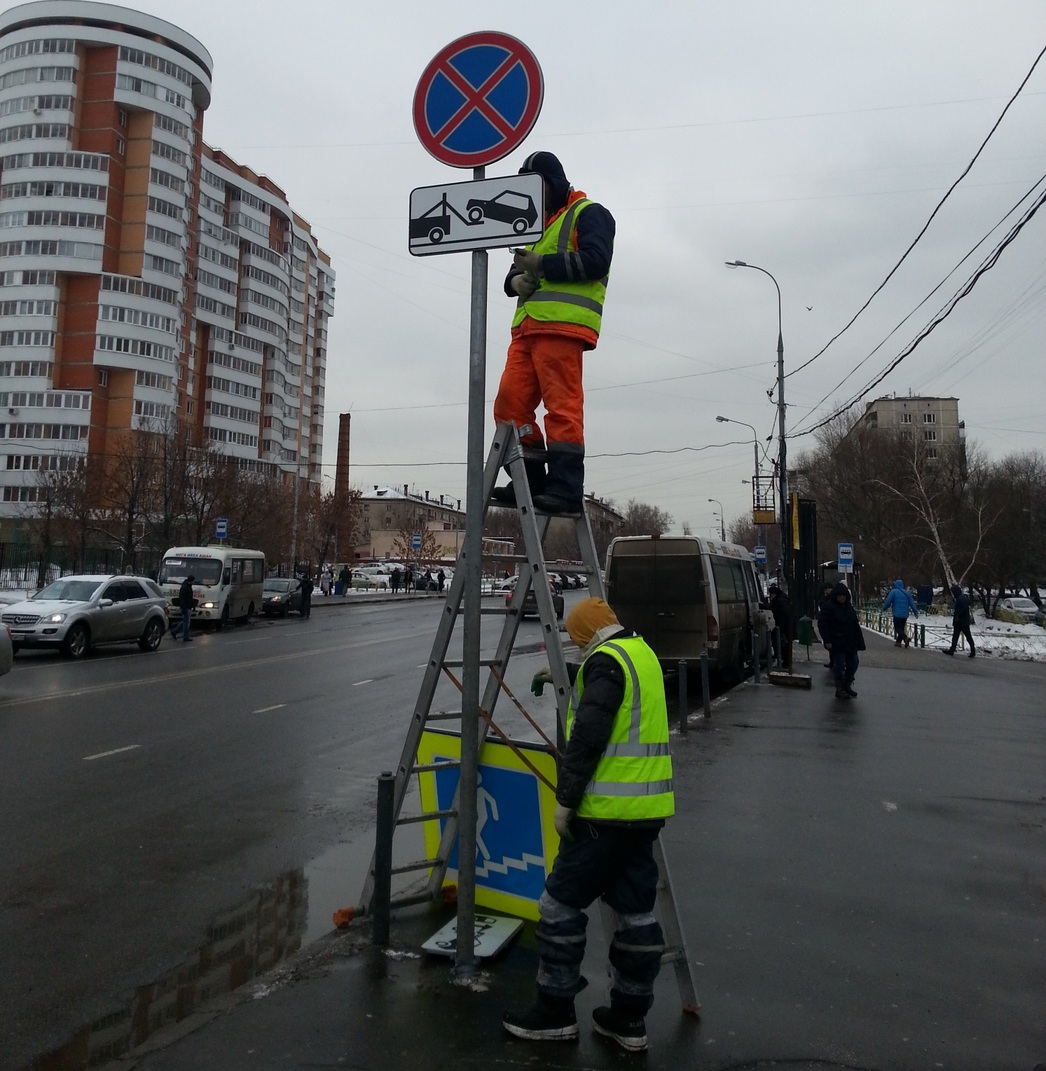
{"x":543,"y":368}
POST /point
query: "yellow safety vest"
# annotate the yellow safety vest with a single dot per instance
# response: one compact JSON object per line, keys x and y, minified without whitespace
{"x":633,"y":780}
{"x":569,"y":303}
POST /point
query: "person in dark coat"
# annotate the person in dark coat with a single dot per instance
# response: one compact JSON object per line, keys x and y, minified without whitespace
{"x":307,"y":587}
{"x":781,"y":608}
{"x":842,"y":636}
{"x":825,"y":597}
{"x":961,"y":621}
{"x":186,"y":602}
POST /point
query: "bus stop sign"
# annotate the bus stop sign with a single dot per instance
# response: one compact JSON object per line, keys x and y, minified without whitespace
{"x":221,"y":528}
{"x":478,"y":99}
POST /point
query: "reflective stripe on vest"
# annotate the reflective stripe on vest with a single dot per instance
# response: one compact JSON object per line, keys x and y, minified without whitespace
{"x":564,"y":302}
{"x":633,"y":779}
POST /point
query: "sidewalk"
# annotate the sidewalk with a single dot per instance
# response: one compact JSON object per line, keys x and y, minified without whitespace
{"x":862,"y":884}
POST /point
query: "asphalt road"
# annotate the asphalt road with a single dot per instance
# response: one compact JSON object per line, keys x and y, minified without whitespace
{"x":145,"y":795}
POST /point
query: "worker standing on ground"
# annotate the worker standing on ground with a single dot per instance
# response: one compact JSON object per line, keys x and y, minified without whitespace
{"x":560,"y":284}
{"x":613,"y":795}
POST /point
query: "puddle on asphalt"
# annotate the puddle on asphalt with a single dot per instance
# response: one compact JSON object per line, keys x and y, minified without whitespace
{"x":267,"y":927}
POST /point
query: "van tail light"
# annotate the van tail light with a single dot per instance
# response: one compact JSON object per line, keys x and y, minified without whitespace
{"x":713,"y":630}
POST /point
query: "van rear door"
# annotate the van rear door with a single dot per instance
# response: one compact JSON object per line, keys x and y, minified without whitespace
{"x":657,"y":587}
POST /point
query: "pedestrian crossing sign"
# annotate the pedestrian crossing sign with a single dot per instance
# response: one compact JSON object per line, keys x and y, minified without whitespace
{"x":516,"y":840}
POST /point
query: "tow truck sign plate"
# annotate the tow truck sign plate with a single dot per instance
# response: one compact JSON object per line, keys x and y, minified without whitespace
{"x":485,"y":214}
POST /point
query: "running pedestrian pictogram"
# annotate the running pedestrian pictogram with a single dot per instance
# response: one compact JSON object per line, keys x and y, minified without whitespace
{"x":478,"y":99}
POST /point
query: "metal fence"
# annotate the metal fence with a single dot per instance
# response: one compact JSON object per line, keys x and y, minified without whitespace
{"x":934,"y":632}
{"x":24,"y":567}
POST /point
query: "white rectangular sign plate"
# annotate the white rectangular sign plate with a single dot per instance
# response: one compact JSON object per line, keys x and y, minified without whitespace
{"x":485,"y":214}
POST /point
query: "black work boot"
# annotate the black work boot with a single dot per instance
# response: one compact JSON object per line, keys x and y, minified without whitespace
{"x":536,"y":478}
{"x":849,"y":687}
{"x":841,"y":692}
{"x":628,"y":1029}
{"x":564,"y":491}
{"x":547,"y":1019}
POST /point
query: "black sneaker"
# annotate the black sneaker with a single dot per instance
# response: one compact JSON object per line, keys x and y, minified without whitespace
{"x":948,"y":650}
{"x":504,"y":496}
{"x":841,"y":693}
{"x":629,"y":1033}
{"x":850,"y":690}
{"x":543,"y":1021}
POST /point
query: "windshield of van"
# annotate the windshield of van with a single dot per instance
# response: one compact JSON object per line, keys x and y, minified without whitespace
{"x":208,"y":571}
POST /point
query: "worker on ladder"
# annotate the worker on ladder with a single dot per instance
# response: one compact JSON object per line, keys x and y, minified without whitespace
{"x":560,"y":283}
{"x":613,"y":795}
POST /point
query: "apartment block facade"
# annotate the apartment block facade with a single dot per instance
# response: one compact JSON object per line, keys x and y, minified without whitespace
{"x":144,"y":277}
{"x":930,"y":423}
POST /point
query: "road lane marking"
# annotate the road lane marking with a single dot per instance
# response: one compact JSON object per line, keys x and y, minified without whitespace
{"x":187,"y":674}
{"x":369,"y":680}
{"x":115,"y":751}
{"x":265,"y":710}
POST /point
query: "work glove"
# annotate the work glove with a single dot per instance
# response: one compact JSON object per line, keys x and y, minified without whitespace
{"x":523,"y":285}
{"x":527,"y":261}
{"x":561,"y":819}
{"x":541,"y":678}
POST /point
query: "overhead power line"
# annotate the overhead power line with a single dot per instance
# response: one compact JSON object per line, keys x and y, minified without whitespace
{"x":926,"y":225}
{"x":986,"y":265}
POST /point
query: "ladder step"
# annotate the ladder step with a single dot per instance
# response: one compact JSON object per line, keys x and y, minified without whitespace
{"x":413,"y":819}
{"x":457,"y":663}
{"x":418,"y":864}
{"x":431,"y":767}
{"x":673,"y":955}
{"x":444,"y":715}
{"x":502,"y":610}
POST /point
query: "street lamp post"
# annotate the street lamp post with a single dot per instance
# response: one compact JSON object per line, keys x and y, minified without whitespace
{"x":722,"y":521}
{"x":782,"y":455}
{"x":755,"y":444}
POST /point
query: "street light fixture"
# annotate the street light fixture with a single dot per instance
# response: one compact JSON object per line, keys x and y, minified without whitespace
{"x":782,"y":457}
{"x":755,"y":441}
{"x":722,"y":522}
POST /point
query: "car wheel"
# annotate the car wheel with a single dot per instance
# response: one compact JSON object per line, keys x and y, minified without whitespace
{"x":223,"y":621}
{"x":15,"y":648}
{"x":559,"y":610}
{"x":77,"y":642}
{"x":519,"y":225}
{"x":250,"y":613}
{"x":153,"y":634}
{"x":475,"y":214}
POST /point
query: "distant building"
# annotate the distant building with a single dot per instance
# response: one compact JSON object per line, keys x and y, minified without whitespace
{"x":930,"y":423}
{"x":144,"y":276}
{"x":387,"y":513}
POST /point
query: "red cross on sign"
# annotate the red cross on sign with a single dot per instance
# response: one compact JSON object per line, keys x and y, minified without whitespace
{"x":478,"y":99}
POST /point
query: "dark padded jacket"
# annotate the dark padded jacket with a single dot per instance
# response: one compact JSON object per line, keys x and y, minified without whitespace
{"x":837,"y":623}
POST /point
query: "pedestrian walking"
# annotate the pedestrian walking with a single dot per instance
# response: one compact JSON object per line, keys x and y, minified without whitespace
{"x":408,"y":580}
{"x":613,"y":796}
{"x":186,"y":602}
{"x":961,"y":619}
{"x":560,"y":285}
{"x":394,"y":579}
{"x":441,"y":579}
{"x":306,"y":596}
{"x":899,"y":603}
{"x":345,"y":578}
{"x":842,"y":636}
{"x":325,"y":580}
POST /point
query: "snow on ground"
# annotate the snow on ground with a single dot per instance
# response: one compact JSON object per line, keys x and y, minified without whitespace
{"x":999,"y":639}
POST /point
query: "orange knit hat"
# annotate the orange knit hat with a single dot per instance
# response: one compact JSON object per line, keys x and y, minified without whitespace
{"x":587,"y":618}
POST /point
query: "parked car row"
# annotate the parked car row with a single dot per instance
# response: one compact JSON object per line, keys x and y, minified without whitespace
{"x":1018,"y":604}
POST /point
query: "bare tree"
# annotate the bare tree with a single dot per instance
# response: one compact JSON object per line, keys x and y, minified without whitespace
{"x":641,"y":519}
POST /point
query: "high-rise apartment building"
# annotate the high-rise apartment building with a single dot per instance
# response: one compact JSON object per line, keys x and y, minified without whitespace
{"x":143,"y":276}
{"x":929,"y":423}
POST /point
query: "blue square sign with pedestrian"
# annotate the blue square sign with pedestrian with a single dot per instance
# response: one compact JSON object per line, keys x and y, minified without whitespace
{"x":516,"y":841}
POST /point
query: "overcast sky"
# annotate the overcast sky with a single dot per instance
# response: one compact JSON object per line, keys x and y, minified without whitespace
{"x":811,"y":137}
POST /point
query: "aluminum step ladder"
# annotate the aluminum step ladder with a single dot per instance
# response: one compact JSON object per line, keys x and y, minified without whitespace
{"x":507,"y":452}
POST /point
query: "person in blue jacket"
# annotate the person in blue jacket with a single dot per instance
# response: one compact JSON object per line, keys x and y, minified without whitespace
{"x":899,"y":603}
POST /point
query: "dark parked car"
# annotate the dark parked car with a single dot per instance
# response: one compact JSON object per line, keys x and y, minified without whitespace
{"x":530,"y":602}
{"x":280,"y":596}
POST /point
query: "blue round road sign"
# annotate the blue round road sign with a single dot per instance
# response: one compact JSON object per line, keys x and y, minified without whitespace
{"x":478,"y":99}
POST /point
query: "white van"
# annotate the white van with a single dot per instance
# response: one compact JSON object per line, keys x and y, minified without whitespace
{"x":685,"y":596}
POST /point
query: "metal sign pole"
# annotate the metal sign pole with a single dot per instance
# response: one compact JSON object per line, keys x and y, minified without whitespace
{"x":465,"y":963}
